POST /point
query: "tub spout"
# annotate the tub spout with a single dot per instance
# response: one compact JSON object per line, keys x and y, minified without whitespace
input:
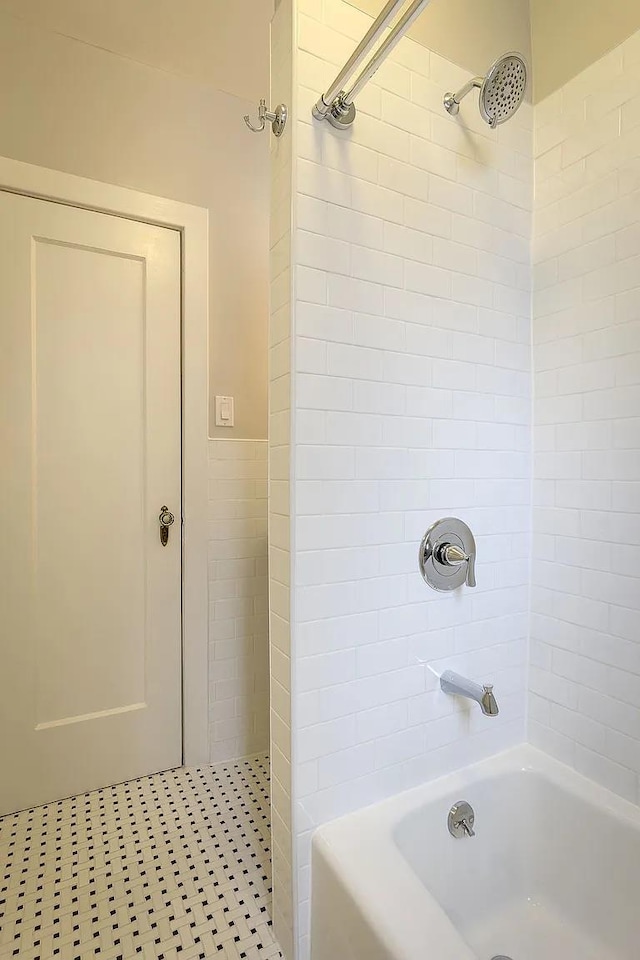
{"x":451,"y":682}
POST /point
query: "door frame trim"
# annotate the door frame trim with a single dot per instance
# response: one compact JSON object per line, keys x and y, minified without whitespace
{"x":193,"y":224}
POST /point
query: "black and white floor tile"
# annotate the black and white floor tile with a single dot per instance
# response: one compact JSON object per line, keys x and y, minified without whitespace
{"x":174,"y":866}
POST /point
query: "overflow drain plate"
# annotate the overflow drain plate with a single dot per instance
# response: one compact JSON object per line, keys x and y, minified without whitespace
{"x":501,"y":956}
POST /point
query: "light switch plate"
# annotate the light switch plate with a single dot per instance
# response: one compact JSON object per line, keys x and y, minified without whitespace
{"x":224,"y":411}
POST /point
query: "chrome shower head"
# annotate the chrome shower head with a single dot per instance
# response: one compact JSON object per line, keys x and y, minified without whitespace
{"x":501,"y":91}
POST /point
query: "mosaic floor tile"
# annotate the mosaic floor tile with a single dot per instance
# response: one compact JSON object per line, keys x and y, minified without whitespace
{"x":174,"y":866}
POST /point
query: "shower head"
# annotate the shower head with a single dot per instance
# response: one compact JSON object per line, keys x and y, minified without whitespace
{"x":501,"y":91}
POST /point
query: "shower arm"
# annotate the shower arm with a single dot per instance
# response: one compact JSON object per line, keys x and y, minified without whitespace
{"x":452,"y":100}
{"x":336,"y":104}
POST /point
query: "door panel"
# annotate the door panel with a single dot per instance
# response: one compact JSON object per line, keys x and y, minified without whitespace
{"x":90,"y":652}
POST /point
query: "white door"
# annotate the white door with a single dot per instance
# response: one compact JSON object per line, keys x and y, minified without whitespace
{"x":90,"y":599}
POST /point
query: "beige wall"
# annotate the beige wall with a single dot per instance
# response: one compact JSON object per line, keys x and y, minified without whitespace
{"x":221,"y":43}
{"x":569,"y":35}
{"x":74,"y":107}
{"x":471,"y":33}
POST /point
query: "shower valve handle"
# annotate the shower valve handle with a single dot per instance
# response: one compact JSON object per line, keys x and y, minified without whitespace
{"x":451,"y":555}
{"x":447,"y":555}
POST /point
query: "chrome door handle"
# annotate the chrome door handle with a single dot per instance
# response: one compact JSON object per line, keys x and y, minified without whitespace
{"x":165,"y":519}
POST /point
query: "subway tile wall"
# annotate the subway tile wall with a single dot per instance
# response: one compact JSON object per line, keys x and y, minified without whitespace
{"x":411,"y":401}
{"x":280,"y":406}
{"x":585,"y":628}
{"x":238,"y":629}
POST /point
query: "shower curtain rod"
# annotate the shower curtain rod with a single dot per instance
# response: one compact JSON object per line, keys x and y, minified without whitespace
{"x":336,"y":105}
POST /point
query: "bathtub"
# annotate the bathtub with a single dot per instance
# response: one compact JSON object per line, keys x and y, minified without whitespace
{"x":553,"y":872}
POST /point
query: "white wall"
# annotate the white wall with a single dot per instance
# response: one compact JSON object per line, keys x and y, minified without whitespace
{"x":238,"y":629}
{"x":84,"y":104}
{"x":411,"y":401}
{"x":585,"y":647}
{"x":75,"y":107}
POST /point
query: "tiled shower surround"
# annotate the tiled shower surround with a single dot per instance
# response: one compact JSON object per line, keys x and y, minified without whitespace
{"x":585,"y":627}
{"x":280,"y":341}
{"x":410,"y":396}
{"x":409,"y":349}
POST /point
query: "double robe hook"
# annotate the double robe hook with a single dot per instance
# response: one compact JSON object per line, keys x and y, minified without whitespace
{"x":278,"y":120}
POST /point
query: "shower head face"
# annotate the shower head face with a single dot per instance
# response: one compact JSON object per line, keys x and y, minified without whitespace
{"x":503,"y":89}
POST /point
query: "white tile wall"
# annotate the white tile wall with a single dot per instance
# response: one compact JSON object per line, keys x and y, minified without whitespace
{"x":280,"y":405}
{"x":238,"y":631}
{"x":410,"y":336}
{"x":585,"y":632}
{"x":411,"y":401}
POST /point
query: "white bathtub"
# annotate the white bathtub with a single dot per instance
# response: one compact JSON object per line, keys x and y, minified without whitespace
{"x":553,"y":872}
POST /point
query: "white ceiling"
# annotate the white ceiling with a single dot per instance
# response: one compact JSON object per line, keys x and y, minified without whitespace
{"x":224,"y":43}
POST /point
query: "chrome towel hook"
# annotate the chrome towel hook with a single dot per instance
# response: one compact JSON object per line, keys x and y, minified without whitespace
{"x":278,"y":120}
